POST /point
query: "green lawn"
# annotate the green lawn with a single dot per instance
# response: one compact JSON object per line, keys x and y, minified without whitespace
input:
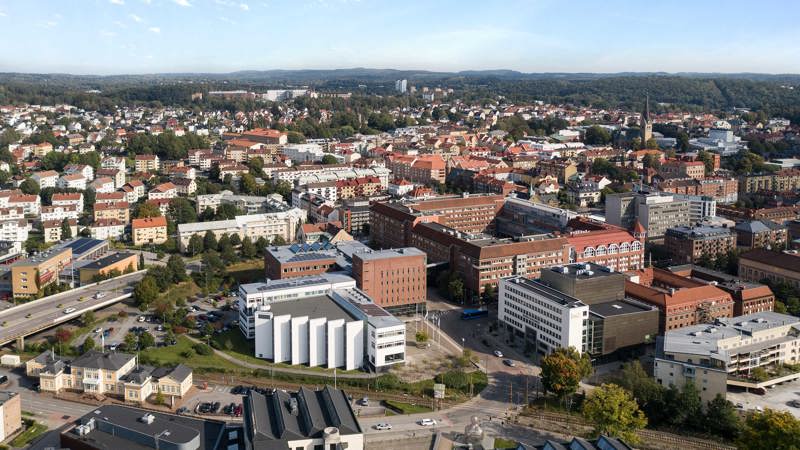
{"x":247,"y":271}
{"x":181,"y":291}
{"x":33,"y":430}
{"x":504,"y":443}
{"x":174,"y":354}
{"x":243,"y":349}
{"x":406,"y":408}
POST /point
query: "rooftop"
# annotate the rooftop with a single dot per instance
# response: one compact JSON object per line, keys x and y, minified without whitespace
{"x":546,"y":291}
{"x":108,"y":260}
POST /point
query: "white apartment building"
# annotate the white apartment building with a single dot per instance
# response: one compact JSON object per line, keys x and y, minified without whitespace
{"x":85,"y":170}
{"x":14,"y":230}
{"x":113,"y":162}
{"x":30,"y":204}
{"x":342,"y":329}
{"x":250,"y":204}
{"x":105,"y":229}
{"x":303,"y":152}
{"x":725,"y":353}
{"x":252,"y":296}
{"x":268,"y":226}
{"x":542,"y":315}
{"x":47,"y":178}
{"x":49,"y":213}
{"x":72,"y":181}
{"x":68,"y":199}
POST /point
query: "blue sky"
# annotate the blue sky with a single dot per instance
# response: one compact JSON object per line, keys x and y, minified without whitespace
{"x":148,"y":36}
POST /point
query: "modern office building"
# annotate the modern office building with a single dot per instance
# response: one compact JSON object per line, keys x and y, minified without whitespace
{"x":725,"y":352}
{"x":544,"y":317}
{"x":690,"y":244}
{"x":341,"y":329}
{"x":306,"y":419}
{"x":656,"y":212}
{"x":252,"y":296}
{"x":617,"y":324}
{"x":395,"y":279}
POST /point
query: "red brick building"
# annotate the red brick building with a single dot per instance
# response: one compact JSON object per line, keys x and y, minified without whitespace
{"x":394,"y":279}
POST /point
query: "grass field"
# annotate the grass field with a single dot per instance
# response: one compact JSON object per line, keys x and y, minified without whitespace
{"x":181,"y":291}
{"x":247,"y":271}
{"x":504,"y":443}
{"x":33,"y":430}
{"x":182,"y":352}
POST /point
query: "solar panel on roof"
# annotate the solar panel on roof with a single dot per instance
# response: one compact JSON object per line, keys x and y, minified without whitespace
{"x":294,"y":248}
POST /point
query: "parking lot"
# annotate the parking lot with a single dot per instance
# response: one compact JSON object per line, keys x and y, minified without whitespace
{"x":777,"y":398}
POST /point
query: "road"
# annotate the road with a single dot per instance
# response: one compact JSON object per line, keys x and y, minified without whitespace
{"x":41,"y":314}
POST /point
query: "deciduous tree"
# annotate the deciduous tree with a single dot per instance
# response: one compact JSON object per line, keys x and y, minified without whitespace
{"x":614,"y":412}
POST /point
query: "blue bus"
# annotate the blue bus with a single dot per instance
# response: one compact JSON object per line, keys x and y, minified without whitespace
{"x":468,"y":314}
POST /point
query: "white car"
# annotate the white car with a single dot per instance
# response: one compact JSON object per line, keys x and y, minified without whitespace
{"x":98,"y":330}
{"x":99,"y":295}
{"x":142,"y":318}
{"x":69,"y":310}
{"x":498,"y":353}
{"x":427,"y":422}
{"x":383,"y":426}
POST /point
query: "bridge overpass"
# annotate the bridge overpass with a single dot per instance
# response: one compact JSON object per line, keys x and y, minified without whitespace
{"x":23,"y":320}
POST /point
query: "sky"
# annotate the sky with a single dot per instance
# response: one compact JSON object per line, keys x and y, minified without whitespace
{"x":158,"y":36}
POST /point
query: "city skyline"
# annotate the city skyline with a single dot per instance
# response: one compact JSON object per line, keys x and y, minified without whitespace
{"x":218,"y":36}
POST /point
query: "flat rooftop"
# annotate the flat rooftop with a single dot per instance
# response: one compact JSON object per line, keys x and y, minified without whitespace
{"x":173,"y":430}
{"x":547,"y":291}
{"x":292,"y":283}
{"x":81,"y":246}
{"x":312,"y":307}
{"x":107,"y":260}
{"x":389,"y":253}
{"x":619,"y":308}
{"x":583,"y":271}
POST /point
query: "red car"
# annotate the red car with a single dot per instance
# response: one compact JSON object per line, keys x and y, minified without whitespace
{"x":238,"y":410}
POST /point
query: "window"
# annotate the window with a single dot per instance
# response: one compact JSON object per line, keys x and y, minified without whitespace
{"x":601,"y":250}
{"x":613,"y":249}
{"x":588,"y":252}
{"x":636,"y":246}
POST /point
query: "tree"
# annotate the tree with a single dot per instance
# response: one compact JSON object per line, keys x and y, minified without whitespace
{"x":421,"y":337}
{"x":563,"y":370}
{"x":210,"y":241}
{"x":146,"y":292}
{"x":159,"y":398}
{"x":63,"y":335}
{"x":683,"y":408}
{"x":597,"y":135}
{"x":87,"y":318}
{"x":721,"y":418}
{"x":145,"y":210}
{"x":29,"y":186}
{"x":195,"y":245}
{"x":180,"y":210}
{"x":278,"y":240}
{"x":247,"y":184}
{"x":176,"y":269}
{"x":131,"y":342}
{"x":88,"y":344}
{"x":226,"y":211}
{"x":770,"y":430}
{"x":455,"y":289}
{"x":261,"y":245}
{"x":146,"y":340}
{"x":66,"y":230}
{"x":248,"y":249}
{"x":208,"y":330}
{"x":329,"y":159}
{"x":651,"y":143}
{"x":614,"y":412}
{"x":646,"y":390}
{"x":235,"y":240}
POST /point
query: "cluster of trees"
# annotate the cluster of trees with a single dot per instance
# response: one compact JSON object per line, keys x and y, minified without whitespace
{"x":724,"y":262}
{"x":746,"y":163}
{"x":517,"y":127}
{"x":166,"y":145}
{"x":597,"y":135}
{"x":602,"y":166}
{"x":450,"y":284}
{"x":158,"y":280}
{"x":787,"y":297}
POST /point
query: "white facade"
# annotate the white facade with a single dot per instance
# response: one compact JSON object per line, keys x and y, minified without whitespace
{"x":14,"y":230}
{"x":268,"y":226}
{"x":303,"y":152}
{"x":544,"y":315}
{"x":342,"y":329}
{"x":105,"y":232}
{"x":254,"y":295}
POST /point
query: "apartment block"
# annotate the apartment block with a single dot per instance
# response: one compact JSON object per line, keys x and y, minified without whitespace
{"x":394,"y":279}
{"x":148,"y":231}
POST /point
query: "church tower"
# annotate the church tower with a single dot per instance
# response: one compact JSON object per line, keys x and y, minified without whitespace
{"x":647,"y":122}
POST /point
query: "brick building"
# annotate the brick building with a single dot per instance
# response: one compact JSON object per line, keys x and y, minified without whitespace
{"x":690,"y":244}
{"x":395,"y":279}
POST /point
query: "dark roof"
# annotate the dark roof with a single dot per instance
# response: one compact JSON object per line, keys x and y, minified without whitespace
{"x":122,"y":428}
{"x":178,"y":373}
{"x":139,"y":375}
{"x":603,"y":442}
{"x":274,"y":418}
{"x":773,"y":258}
{"x":313,"y":307}
{"x":619,"y":307}
{"x":107,"y":260}
{"x":97,"y":360}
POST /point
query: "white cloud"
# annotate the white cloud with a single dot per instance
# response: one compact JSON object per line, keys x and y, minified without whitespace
{"x":184,"y":3}
{"x":120,"y":24}
{"x":147,"y":2}
{"x":117,"y":2}
{"x":3,"y":14}
{"x":50,"y":24}
{"x":154,"y":30}
{"x":135,"y":18}
{"x":244,"y":7}
{"x":227,"y":20}
{"x":106,"y":33}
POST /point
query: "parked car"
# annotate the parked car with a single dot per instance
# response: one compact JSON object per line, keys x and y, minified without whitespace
{"x":3,"y":379}
{"x":238,"y":411}
{"x":98,"y":330}
{"x":427,"y":422}
{"x":141,"y":318}
{"x":498,"y":353}
{"x":509,"y":362}
{"x":69,"y":310}
{"x":383,"y":426}
{"x":100,"y":295}
{"x":364,"y":401}
{"x":215,"y":407}
{"x":794,"y":403}
{"x":182,"y":410}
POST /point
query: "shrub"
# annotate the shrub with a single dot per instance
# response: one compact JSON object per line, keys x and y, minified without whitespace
{"x":203,"y":349}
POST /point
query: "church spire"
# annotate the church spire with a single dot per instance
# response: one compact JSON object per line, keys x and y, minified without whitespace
{"x":646,"y":112}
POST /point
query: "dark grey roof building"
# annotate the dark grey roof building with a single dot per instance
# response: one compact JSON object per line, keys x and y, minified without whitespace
{"x":280,"y":419}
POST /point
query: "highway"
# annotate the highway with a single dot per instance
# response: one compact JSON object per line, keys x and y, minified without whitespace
{"x":38,"y":315}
